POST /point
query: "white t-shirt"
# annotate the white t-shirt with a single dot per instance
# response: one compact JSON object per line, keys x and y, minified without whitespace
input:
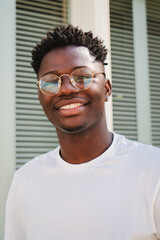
{"x":113,"y":197}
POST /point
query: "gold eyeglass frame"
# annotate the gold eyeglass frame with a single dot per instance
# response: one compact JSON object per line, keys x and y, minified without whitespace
{"x":70,"y":78}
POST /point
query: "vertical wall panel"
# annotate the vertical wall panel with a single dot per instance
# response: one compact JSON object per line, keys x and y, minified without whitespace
{"x":122,"y":59}
{"x":34,"y":133}
{"x":153,"y":23}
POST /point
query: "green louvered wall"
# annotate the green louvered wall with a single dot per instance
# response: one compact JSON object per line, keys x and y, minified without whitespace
{"x":34,"y":133}
{"x":122,"y":61}
{"x":153,"y":23}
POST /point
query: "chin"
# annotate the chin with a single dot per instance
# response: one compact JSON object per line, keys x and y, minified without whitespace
{"x":72,"y":129}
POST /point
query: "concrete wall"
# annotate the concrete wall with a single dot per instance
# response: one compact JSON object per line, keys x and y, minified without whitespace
{"x":94,"y":15}
{"x":7,"y":101}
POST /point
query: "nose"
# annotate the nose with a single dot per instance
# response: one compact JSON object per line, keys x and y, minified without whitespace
{"x":66,"y":86}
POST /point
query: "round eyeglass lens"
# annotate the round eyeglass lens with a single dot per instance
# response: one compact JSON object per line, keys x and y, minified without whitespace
{"x":49,"y":84}
{"x":82,"y":78}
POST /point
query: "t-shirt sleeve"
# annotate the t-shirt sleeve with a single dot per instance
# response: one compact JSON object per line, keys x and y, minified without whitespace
{"x":157,"y":214}
{"x":14,"y":222}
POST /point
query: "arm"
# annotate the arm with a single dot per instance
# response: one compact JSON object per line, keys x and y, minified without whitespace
{"x":157,"y":214}
{"x":14,"y":222}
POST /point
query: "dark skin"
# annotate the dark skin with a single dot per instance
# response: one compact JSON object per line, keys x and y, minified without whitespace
{"x":81,"y":125}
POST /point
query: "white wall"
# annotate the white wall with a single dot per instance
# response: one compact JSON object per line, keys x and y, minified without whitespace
{"x":7,"y":101}
{"x":94,"y":15}
{"x":142,"y":71}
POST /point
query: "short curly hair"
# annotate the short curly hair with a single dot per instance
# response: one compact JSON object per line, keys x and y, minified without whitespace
{"x":68,"y":35}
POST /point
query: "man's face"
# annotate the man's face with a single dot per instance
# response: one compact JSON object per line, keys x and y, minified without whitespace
{"x":72,"y":110}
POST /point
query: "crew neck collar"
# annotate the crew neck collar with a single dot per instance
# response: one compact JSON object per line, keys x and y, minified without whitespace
{"x":105,"y":155}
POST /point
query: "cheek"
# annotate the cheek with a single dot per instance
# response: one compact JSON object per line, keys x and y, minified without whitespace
{"x":44,"y":100}
{"x":98,"y":92}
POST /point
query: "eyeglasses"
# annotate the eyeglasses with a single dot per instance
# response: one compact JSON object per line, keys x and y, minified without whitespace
{"x":81,"y":79}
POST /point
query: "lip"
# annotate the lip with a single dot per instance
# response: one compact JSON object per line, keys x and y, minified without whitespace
{"x":71,"y":107}
{"x":72,"y":111}
{"x":65,"y":102}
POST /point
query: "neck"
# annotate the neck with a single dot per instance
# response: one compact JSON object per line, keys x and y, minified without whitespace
{"x":82,"y":147}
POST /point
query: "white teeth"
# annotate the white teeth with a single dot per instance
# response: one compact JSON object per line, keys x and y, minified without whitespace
{"x":70,"y":106}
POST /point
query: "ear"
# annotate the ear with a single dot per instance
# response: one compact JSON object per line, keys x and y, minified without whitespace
{"x":108,"y":88}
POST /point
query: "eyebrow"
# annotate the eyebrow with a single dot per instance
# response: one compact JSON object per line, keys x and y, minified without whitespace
{"x":56,"y":72}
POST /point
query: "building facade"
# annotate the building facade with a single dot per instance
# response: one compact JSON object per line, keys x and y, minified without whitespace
{"x":131,"y":32}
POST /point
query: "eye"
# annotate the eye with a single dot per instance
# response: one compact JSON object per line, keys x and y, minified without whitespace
{"x":81,"y":78}
{"x":49,"y":84}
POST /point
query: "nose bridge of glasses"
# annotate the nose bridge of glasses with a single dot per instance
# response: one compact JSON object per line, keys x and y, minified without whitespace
{"x":67,"y":86}
{"x":65,"y":75}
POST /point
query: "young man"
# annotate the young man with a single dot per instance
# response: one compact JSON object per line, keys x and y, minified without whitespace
{"x":96,"y":185}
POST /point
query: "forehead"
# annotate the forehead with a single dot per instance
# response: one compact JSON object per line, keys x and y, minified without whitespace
{"x":64,"y":59}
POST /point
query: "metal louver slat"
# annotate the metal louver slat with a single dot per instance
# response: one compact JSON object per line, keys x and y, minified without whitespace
{"x":122,"y":59}
{"x":153,"y":25}
{"x":34,"y":133}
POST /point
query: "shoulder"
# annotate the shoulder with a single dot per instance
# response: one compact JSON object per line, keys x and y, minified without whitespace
{"x":135,"y":146}
{"x":38,"y":165}
{"x":145,"y":150}
{"x":140,"y":153}
{"x":139,"y":161}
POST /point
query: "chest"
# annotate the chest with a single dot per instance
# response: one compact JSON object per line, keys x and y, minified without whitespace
{"x":94,"y":205}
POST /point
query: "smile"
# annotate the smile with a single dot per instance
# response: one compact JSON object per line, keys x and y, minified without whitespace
{"x":71,"y":106}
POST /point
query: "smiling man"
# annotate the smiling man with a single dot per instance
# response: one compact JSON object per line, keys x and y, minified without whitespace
{"x":96,"y":185}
